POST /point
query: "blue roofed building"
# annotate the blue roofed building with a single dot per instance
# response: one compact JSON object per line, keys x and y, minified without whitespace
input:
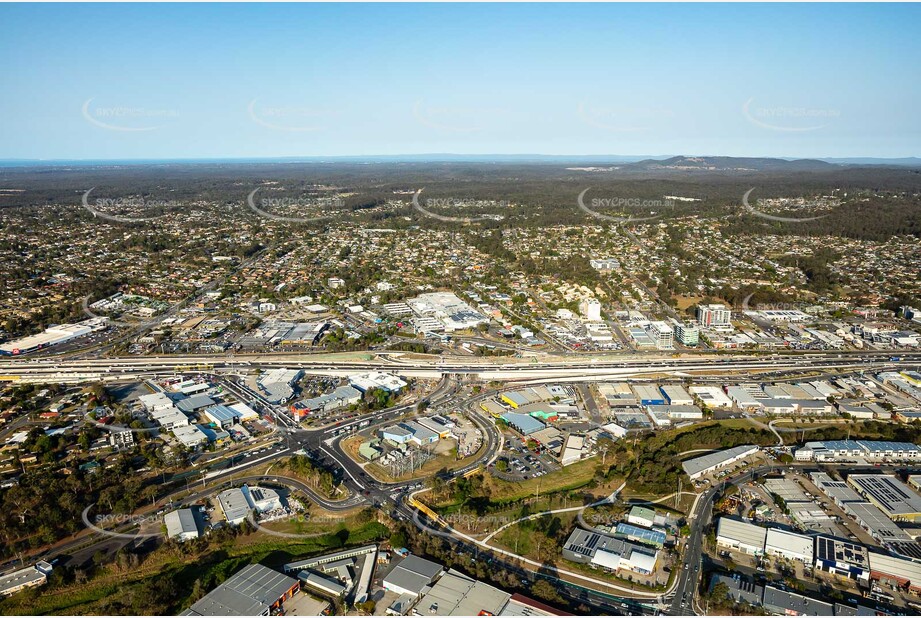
{"x":656,"y":538}
{"x":523,"y":423}
{"x":222,"y":416}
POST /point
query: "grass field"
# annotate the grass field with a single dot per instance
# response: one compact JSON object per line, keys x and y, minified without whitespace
{"x":575,"y":476}
{"x":519,"y":539}
{"x":501,"y":493}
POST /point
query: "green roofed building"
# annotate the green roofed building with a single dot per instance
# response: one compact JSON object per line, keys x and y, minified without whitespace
{"x":370,"y":450}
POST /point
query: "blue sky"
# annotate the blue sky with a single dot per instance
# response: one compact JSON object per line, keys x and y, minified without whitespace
{"x":112,"y":81}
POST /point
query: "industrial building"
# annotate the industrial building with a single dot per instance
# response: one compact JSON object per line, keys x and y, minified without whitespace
{"x":786,"y":489}
{"x":254,"y":591}
{"x":739,"y":590}
{"x":342,"y":397}
{"x":607,"y":552}
{"x":840,"y":492}
{"x":180,"y":525}
{"x":877,"y":523}
{"x":649,"y":395}
{"x":676,"y":395}
{"x":656,"y":538}
{"x":747,"y":397}
{"x":421,"y":435}
{"x":238,"y":502}
{"x":617,"y":394}
{"x":396,"y":434}
{"x":842,"y":558}
{"x":786,"y":603}
{"x":262,"y":499}
{"x":234,"y":505}
{"x":699,"y":466}
{"x":322,"y":583}
{"x":246,"y":412}
{"x":29,"y":577}
{"x":455,"y":594}
{"x":742,"y":536}
{"x":51,"y":336}
{"x":515,"y":399}
{"x":523,"y":423}
{"x":855,"y":450}
{"x":789,"y":545}
{"x":900,"y":572}
{"x":676,"y":412}
{"x":641,"y":516}
{"x":277,"y":384}
{"x":412,"y":576}
{"x":193,"y":403}
{"x":190,"y":436}
{"x":782,"y":602}
{"x":713,"y":397}
{"x":222,"y":416}
{"x":892,"y":496}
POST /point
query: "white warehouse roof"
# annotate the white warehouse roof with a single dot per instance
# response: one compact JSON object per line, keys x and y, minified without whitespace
{"x":741,"y":533}
{"x":789,"y":544}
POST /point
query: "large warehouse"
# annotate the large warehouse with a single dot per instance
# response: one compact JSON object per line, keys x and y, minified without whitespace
{"x":892,"y":496}
{"x":855,"y":450}
{"x":842,"y":558}
{"x":789,"y":545}
{"x":412,"y":576}
{"x":742,"y":536}
{"x":455,"y":594}
{"x":52,"y":335}
{"x":899,"y":571}
{"x":699,"y":466}
{"x":254,"y":591}
{"x":588,"y":547}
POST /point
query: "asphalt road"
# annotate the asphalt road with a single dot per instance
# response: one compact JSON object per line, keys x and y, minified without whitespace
{"x":683,"y":603}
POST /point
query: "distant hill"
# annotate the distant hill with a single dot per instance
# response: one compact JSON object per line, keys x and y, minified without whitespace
{"x":903,"y":161}
{"x":730,"y":164}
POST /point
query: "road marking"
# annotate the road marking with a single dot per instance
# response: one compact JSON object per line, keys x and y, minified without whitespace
{"x":360,"y":486}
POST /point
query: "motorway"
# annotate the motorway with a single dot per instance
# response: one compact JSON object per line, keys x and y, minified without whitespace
{"x":323,"y":445}
{"x":110,"y":369}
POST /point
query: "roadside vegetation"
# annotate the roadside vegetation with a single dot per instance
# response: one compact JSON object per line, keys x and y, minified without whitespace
{"x":167,"y":579}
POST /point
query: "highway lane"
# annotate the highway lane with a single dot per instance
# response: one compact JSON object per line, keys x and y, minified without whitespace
{"x":458,"y":364}
{"x":685,"y":595}
{"x":67,"y":372}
